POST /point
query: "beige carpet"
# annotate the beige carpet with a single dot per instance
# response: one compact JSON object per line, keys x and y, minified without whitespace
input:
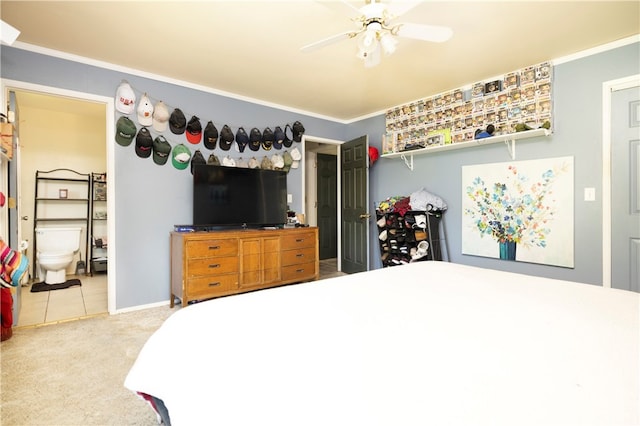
{"x":72,"y":373}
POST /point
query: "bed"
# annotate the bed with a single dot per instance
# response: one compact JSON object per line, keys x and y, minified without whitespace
{"x":428,"y":343}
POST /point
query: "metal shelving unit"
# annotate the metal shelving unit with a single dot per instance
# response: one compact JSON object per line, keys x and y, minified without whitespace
{"x":98,"y":255}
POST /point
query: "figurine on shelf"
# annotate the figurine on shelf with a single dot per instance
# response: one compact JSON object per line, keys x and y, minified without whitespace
{"x":521,"y":127}
{"x":490,"y":130}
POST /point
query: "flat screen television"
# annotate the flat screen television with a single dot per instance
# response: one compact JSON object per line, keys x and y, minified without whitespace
{"x":238,"y":197}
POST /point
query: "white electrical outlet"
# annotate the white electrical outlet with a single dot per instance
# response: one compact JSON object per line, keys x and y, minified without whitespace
{"x":589,"y":194}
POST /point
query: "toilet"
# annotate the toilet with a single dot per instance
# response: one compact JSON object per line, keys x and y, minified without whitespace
{"x":56,"y":248}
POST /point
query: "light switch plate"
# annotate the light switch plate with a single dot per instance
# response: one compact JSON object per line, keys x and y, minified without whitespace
{"x":589,"y":194}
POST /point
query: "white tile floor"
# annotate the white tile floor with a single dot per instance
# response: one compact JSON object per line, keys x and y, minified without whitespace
{"x":90,"y":298}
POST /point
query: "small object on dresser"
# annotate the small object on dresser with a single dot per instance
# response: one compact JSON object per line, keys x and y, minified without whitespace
{"x":63,"y":193}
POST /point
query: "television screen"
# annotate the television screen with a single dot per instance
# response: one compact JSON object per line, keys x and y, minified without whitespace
{"x":232,"y":196}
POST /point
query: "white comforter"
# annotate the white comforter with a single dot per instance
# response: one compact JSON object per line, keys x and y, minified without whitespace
{"x":429,"y":343}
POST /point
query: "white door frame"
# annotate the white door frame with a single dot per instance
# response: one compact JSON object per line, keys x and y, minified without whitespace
{"x":8,"y":85}
{"x":608,"y":87}
{"x":305,"y":205}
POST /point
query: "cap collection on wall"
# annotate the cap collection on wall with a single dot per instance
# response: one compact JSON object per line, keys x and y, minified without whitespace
{"x":158,"y":117}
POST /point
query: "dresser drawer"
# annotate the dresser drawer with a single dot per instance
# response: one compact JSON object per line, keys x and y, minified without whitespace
{"x":211,"y":248}
{"x":202,"y":287}
{"x":211,"y":266}
{"x":295,"y":257}
{"x":298,"y":240}
{"x":300,"y":272}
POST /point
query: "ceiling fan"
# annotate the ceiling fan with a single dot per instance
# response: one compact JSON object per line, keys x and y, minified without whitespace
{"x":377,"y":32}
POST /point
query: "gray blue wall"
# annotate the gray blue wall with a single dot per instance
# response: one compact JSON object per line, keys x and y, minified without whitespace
{"x":151,"y":199}
{"x":577,"y":93}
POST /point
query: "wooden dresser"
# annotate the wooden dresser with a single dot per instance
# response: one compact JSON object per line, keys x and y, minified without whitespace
{"x":205,"y":265}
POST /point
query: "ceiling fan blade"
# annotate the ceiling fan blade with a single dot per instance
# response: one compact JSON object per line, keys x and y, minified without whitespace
{"x":329,"y":40}
{"x":342,"y":8}
{"x":434,"y":33}
{"x":354,"y":10}
{"x":399,"y":8}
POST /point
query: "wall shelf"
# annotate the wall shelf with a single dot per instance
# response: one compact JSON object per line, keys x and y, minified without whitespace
{"x":509,"y":139}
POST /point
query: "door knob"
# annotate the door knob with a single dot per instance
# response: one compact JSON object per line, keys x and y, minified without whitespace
{"x":25,"y":218}
{"x":365,"y":216}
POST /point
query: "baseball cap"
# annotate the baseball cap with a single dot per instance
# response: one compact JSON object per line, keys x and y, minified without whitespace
{"x":295,"y":156}
{"x":242,"y":163}
{"x":210,"y":136}
{"x":373,"y":155}
{"x":267,"y":139}
{"x":226,"y":138}
{"x":287,"y":160}
{"x":255,"y":138}
{"x":277,"y":161}
{"x":160,"y":117}
{"x":213,"y":160}
{"x":194,"y":130}
{"x":265,"y":164}
{"x":145,"y":111}
{"x":278,"y":137}
{"x":180,"y":157}
{"x":253,"y":163}
{"x":228,"y":161}
{"x":177,"y":122}
{"x":288,"y":136}
{"x":125,"y":98}
{"x":144,"y":143}
{"x":242,"y":139}
{"x":298,"y":131}
{"x":161,"y":150}
{"x":197,"y":158}
{"x":125,"y":131}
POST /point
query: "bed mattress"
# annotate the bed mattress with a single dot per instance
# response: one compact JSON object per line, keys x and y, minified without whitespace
{"x":424,"y":343}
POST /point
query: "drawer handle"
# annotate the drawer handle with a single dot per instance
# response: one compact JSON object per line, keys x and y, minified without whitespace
{"x":300,"y":255}
{"x":214,"y":284}
{"x":217,"y":265}
{"x":299,"y":240}
{"x":299,"y":270}
{"x":214,"y":247}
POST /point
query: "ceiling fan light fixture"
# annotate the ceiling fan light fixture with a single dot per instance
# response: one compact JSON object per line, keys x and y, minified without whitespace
{"x":388,"y":43}
{"x":377,"y":33}
{"x":368,"y":41}
{"x":373,"y":58}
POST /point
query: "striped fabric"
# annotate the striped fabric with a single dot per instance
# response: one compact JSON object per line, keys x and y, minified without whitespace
{"x":13,"y":265}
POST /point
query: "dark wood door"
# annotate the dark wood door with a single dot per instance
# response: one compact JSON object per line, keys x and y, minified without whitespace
{"x":327,"y":190}
{"x":354,"y":173}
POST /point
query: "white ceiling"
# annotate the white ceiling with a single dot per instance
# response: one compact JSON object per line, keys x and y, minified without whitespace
{"x":251,"y":48}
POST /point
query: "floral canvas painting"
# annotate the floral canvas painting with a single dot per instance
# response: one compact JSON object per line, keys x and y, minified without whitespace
{"x":519,"y":211}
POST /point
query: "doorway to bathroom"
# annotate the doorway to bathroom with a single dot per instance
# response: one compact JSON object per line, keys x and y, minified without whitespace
{"x":58,"y":129}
